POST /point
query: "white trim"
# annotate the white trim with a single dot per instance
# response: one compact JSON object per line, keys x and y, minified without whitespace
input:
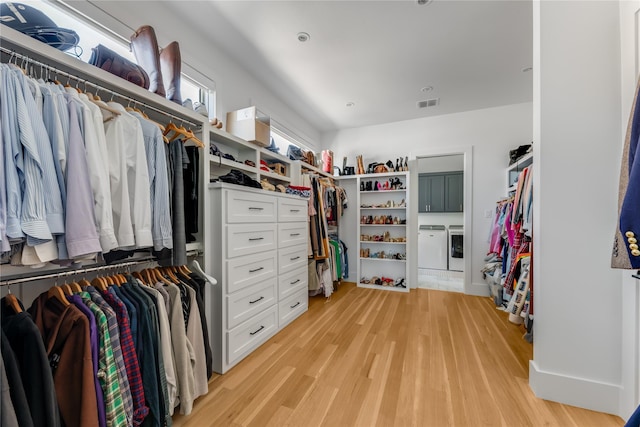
{"x":477,"y":289}
{"x":580,"y":392}
{"x":467,"y":152}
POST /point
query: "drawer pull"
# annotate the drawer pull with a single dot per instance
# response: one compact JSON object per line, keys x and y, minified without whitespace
{"x":294,"y":210}
{"x":255,"y":332}
{"x":253,"y":239}
{"x":294,"y":234}
{"x":259,"y":299}
{"x":255,"y":209}
{"x":256,"y":269}
{"x":295,"y":305}
{"x":294,"y":282}
{"x":294,"y":258}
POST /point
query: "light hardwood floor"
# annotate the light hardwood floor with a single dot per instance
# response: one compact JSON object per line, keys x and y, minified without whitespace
{"x":374,"y":358}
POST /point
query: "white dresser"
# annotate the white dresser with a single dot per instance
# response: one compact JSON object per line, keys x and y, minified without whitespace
{"x":258,"y":250}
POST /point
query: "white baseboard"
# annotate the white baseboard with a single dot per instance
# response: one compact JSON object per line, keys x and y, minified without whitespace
{"x":580,"y":392}
{"x":478,"y":289}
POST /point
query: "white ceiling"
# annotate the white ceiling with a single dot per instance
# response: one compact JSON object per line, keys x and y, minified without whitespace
{"x":377,"y":54}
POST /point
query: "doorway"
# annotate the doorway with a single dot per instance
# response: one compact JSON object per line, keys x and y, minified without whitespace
{"x":441,"y":206}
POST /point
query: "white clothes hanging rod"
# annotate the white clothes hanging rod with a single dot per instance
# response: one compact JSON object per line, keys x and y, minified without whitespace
{"x":75,"y":271}
{"x":28,"y":60}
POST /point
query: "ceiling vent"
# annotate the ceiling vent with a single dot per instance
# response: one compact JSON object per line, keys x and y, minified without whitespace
{"x":429,"y":103}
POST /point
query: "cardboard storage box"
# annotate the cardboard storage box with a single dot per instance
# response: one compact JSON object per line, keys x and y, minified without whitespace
{"x":250,"y":126}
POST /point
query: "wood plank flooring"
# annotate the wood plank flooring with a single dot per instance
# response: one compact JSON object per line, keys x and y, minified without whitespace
{"x":374,"y":358}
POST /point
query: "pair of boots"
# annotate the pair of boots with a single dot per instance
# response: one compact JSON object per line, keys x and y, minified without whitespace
{"x":162,"y":65}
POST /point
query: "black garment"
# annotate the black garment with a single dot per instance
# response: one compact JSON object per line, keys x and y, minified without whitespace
{"x":190,"y":177}
{"x":33,"y":364}
{"x":176,"y":185}
{"x":198,"y":284}
{"x":16,"y":388}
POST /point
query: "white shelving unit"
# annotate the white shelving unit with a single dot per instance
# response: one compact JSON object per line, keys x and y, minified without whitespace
{"x":514,"y":170}
{"x":393,"y":205}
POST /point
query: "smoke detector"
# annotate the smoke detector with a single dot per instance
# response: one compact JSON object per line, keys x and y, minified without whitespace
{"x":429,"y":103}
{"x":303,"y":37}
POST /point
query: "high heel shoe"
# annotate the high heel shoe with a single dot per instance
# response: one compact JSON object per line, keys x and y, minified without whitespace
{"x":361,"y":185}
{"x":400,"y":283}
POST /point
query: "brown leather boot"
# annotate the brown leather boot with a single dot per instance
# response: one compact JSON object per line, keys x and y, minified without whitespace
{"x":171,"y":65}
{"x":144,"y":45}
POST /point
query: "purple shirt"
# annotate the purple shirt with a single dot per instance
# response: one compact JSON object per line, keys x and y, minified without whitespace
{"x":93,"y":335}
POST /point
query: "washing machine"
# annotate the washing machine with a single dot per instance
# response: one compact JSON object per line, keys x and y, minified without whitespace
{"x":432,"y":247}
{"x":456,"y":248}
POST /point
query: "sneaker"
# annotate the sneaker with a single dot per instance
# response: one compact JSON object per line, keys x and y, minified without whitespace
{"x":200,"y":108}
{"x":187,"y":103}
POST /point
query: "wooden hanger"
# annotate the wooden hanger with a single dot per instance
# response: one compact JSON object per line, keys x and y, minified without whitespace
{"x":56,"y":292}
{"x":13,"y":303}
{"x":84,"y":283}
{"x":66,"y":289}
{"x":75,"y":287}
{"x":196,"y":140}
{"x":99,"y":283}
{"x":139,"y":276}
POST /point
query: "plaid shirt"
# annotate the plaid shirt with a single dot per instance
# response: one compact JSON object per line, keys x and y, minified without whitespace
{"x":140,"y":409}
{"x":114,"y":333}
{"x":108,"y":370}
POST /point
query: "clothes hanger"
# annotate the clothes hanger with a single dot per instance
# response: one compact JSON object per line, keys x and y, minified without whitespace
{"x":12,"y":302}
{"x":99,"y":283}
{"x":56,"y":292}
{"x":200,"y":271}
{"x":75,"y":287}
{"x":84,"y":283}
{"x":196,"y":140}
{"x":66,"y":288}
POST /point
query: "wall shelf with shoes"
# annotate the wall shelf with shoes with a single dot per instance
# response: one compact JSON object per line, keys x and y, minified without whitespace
{"x":384,"y":214}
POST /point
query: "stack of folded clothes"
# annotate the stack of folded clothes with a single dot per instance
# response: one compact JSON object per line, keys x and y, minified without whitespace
{"x":299,"y":191}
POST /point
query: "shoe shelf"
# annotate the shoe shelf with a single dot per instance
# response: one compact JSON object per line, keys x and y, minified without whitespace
{"x":383,"y":287}
{"x":394,"y":201}
{"x":365,"y":208}
{"x":382,"y":243}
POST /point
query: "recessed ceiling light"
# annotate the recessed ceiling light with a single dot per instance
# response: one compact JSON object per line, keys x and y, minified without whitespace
{"x":351,"y":104}
{"x":427,"y":89}
{"x":526,"y":69}
{"x":303,"y":37}
{"x":424,"y":2}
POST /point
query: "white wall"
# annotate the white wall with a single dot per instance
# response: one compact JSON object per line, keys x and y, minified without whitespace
{"x":441,"y":164}
{"x":630,"y":364}
{"x":203,"y":59}
{"x":492,"y":133}
{"x":577,"y":141}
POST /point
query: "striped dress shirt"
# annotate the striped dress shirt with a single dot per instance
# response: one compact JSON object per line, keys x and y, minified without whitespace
{"x":159,"y":184}
{"x":114,"y":407}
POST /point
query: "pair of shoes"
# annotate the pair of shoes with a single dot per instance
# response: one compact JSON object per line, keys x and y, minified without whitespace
{"x":162,"y":65}
{"x":400,"y":283}
{"x":198,"y":107}
{"x":266,"y":185}
{"x":239,"y":178}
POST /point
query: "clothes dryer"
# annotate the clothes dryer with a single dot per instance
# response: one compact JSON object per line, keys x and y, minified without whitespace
{"x":456,"y":248}
{"x":432,"y":247}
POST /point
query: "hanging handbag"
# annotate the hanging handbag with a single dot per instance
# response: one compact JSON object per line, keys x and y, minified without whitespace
{"x":108,"y":60}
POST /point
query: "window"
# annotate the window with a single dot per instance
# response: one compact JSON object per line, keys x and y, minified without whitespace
{"x":283,"y":137}
{"x":91,"y":35}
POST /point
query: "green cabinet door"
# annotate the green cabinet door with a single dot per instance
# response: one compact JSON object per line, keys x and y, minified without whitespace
{"x":454,"y":196}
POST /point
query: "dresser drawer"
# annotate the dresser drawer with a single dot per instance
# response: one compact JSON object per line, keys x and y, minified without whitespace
{"x":249,"y":335}
{"x":248,"y":302}
{"x":292,"y":210}
{"x":292,"y":233}
{"x":251,"y":269}
{"x":250,"y":207}
{"x":292,"y":258}
{"x":291,"y":282}
{"x":245,"y":239}
{"x":292,"y":307}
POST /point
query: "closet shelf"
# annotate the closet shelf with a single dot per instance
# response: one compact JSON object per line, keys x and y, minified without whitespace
{"x":319,"y":171}
{"x":383,"y":259}
{"x":383,"y":243}
{"x":399,"y":208}
{"x":386,"y":288}
{"x":83,"y":72}
{"x":383,"y":225}
{"x":230,"y":164}
{"x":403,"y":190}
{"x":273,"y":175}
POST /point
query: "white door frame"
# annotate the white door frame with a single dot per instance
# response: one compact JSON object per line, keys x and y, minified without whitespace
{"x":467,"y":153}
